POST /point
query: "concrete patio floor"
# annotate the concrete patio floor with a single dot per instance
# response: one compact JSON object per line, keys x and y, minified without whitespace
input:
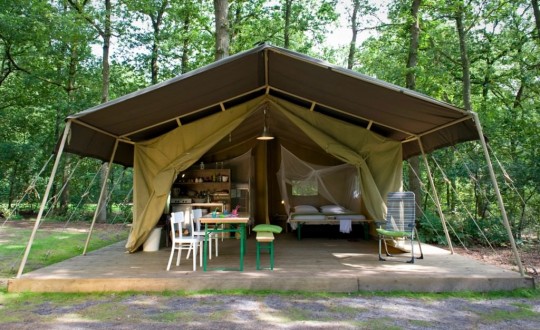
{"x":311,"y":264}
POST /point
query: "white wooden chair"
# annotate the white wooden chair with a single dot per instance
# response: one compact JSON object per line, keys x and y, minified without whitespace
{"x":181,"y":241}
{"x":199,"y":231}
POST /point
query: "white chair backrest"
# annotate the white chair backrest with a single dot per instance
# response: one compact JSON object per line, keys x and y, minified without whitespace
{"x":177,"y":224}
{"x":400,"y":211}
{"x":197,"y":213}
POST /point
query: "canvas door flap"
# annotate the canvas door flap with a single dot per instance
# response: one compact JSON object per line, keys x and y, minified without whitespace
{"x":158,"y":161}
{"x":354,"y":145}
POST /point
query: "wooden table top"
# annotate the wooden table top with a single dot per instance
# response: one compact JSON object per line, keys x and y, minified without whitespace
{"x":240,"y":218}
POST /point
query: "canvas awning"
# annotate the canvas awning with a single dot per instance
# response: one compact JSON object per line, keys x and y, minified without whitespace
{"x":391,"y":111}
{"x":216,"y":112}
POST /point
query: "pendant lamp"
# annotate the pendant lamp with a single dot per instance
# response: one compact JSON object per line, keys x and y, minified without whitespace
{"x":265,"y":136}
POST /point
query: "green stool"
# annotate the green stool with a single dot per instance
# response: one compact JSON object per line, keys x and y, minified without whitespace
{"x":265,"y":241}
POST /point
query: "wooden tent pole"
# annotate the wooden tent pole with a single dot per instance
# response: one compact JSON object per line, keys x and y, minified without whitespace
{"x":45,"y":197}
{"x":266,"y":204}
{"x":498,"y":193}
{"x":98,"y":206}
{"x":437,"y":200}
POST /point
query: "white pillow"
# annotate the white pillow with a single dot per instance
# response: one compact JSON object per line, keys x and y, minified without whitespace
{"x":332,"y":209}
{"x":305,"y":209}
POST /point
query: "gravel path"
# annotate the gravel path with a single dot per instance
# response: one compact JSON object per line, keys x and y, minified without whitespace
{"x":272,"y":311}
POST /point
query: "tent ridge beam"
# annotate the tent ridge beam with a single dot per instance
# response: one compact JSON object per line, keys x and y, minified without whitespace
{"x":410,"y":139}
{"x":123,"y":139}
{"x":454,"y":122}
{"x":343,"y":112}
{"x":266,"y":70}
{"x":178,"y":118}
{"x":82,"y":123}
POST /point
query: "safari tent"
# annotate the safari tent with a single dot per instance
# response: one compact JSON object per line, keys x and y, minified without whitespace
{"x":318,"y":111}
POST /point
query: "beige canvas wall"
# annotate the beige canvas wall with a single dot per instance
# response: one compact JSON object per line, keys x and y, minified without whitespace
{"x":158,"y":161}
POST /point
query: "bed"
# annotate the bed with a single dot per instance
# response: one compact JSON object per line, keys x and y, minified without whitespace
{"x":325,"y":215}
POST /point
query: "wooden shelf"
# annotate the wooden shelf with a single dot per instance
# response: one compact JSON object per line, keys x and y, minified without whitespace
{"x":213,"y":182}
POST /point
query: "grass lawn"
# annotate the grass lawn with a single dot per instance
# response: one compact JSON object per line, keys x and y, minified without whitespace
{"x":54,"y":242}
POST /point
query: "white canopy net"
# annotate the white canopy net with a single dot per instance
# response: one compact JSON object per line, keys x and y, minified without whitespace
{"x":302,"y":183}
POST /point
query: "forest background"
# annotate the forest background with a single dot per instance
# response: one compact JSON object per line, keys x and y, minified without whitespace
{"x":59,"y":57}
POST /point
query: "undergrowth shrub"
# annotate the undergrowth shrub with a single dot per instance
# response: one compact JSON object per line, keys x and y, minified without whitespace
{"x":462,"y":230}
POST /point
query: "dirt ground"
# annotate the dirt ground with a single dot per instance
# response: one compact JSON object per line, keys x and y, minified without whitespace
{"x":504,"y":258}
{"x":270,"y":310}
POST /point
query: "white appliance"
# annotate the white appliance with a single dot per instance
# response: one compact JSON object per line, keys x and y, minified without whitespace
{"x":181,"y":205}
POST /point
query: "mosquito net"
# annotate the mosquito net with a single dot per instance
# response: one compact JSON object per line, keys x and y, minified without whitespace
{"x":301,"y":182}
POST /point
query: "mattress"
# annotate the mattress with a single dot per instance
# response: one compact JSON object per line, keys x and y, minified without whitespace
{"x":326,"y":218}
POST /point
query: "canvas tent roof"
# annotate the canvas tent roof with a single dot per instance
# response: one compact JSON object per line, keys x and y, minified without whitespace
{"x":391,"y":111}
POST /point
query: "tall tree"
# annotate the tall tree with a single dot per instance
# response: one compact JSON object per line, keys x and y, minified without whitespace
{"x":354,"y":28}
{"x":287,"y":11}
{"x":412,"y":62}
{"x":536,"y":11}
{"x":155,"y":11}
{"x":221,"y":13}
{"x":103,"y":26}
{"x":459,"y":12}
{"x":360,"y":12}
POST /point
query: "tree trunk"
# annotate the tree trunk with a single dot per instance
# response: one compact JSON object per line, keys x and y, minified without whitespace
{"x":287,"y":28}
{"x":465,"y":63}
{"x":221,"y":10}
{"x":105,"y":59}
{"x":412,"y":62}
{"x":352,"y":46}
{"x":70,"y":87}
{"x":185,"y":45}
{"x":536,"y":11}
{"x":156,"y":25}
{"x":106,"y":35}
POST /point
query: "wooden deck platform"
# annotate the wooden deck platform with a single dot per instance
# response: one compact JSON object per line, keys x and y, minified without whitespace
{"x":312,"y":264}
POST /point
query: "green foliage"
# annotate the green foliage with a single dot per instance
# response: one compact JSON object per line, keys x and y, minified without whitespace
{"x":50,"y":67}
{"x":462,"y":230}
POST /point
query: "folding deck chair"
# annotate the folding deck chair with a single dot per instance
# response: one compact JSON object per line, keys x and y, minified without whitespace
{"x":400,"y":222}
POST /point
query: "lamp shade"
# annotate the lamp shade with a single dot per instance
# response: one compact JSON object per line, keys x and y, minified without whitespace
{"x":265,"y":135}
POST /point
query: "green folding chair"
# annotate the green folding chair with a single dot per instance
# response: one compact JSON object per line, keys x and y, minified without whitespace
{"x":400,"y":222}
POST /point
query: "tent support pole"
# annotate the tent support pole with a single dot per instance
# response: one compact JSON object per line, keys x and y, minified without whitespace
{"x":45,"y":197}
{"x":98,"y":206}
{"x":266,"y":211}
{"x":500,"y":201}
{"x":437,"y":200}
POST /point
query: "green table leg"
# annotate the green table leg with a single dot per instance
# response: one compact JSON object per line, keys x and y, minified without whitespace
{"x":242,"y":245}
{"x":272,"y":255}
{"x":205,"y":246}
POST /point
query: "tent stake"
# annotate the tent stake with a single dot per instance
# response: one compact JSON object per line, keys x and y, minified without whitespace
{"x":98,"y":206}
{"x":45,"y":197}
{"x":498,"y":193}
{"x":437,"y":200}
